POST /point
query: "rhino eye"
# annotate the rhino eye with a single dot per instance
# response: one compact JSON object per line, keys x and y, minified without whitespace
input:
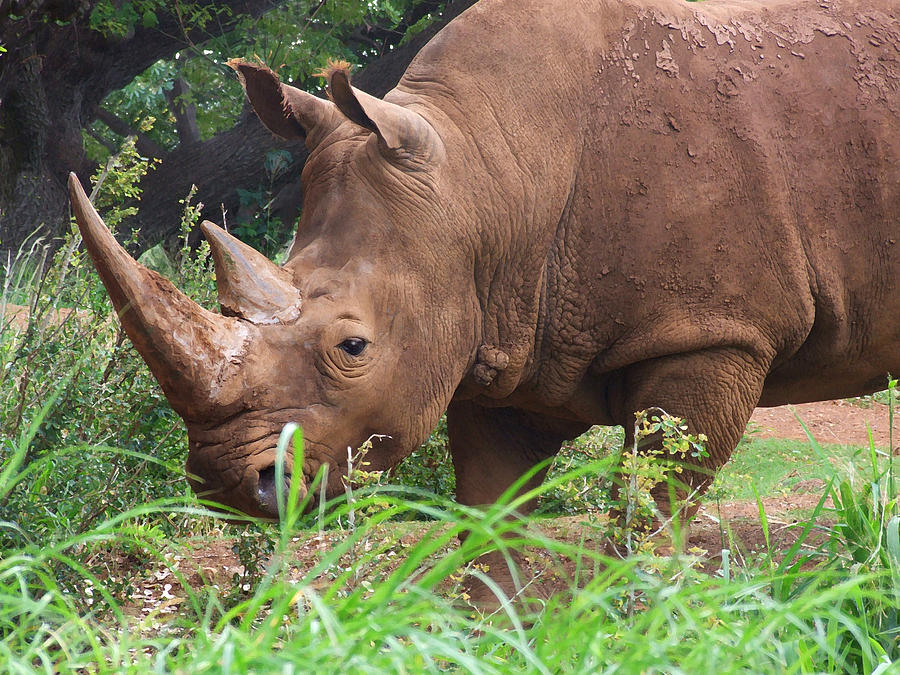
{"x":353,"y":346}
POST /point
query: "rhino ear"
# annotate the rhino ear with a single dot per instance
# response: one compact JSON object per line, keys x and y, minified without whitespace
{"x":403,"y":135}
{"x":285,"y":110}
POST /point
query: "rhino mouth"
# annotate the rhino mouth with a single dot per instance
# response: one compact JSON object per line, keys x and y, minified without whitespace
{"x":257,"y":496}
{"x":320,"y":480}
{"x":252,"y":485}
{"x":268,"y":489}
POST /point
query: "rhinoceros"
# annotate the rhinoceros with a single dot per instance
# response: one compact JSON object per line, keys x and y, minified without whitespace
{"x":565,"y":212}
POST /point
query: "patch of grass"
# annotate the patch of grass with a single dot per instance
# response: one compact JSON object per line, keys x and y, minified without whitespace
{"x":369,"y":604}
{"x":773,"y":467}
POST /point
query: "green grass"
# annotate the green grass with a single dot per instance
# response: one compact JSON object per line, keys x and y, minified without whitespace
{"x":774,"y":466}
{"x":634,"y":616}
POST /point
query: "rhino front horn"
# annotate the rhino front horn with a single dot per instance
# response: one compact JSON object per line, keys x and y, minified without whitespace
{"x":191,"y":351}
{"x":250,"y":285}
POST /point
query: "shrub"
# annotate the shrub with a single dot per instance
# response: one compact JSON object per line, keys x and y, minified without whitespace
{"x":429,"y":467}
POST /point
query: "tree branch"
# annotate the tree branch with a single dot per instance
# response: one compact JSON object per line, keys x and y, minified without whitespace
{"x":185,"y":114}
{"x":102,"y":140}
{"x":240,"y":154}
{"x":144,"y":144}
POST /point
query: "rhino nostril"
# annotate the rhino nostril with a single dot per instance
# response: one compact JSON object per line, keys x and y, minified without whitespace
{"x":267,"y":490}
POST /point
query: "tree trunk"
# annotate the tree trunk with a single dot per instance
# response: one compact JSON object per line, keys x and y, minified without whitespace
{"x":145,"y":145}
{"x":56,"y":73}
{"x":52,"y":78}
{"x":185,"y":113}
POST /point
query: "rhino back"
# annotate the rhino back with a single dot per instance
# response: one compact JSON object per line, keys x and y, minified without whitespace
{"x":658,"y":177}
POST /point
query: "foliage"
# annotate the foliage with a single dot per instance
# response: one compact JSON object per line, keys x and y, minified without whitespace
{"x":430,"y":467}
{"x":662,"y":449}
{"x":116,"y":19}
{"x":296,"y":39}
{"x":890,"y":396}
{"x":256,"y":225}
{"x":589,"y":493}
{"x":865,"y":543}
{"x":103,"y":392}
{"x":120,"y":181}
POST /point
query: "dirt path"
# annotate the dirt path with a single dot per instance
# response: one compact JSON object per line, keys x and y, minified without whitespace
{"x":829,"y":422}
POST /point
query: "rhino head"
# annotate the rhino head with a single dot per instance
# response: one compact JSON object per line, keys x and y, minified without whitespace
{"x":365,"y":330}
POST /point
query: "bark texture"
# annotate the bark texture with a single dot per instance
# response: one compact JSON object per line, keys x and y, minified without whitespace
{"x":52,"y":78}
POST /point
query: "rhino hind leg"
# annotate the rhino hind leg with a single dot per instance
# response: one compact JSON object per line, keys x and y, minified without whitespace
{"x":715,"y":391}
{"x":492,"y":448}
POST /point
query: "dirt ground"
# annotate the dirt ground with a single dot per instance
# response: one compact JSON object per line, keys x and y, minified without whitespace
{"x":842,"y":421}
{"x":733,"y":525}
{"x":839,"y":421}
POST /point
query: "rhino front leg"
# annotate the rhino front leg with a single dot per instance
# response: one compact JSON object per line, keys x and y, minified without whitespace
{"x":714,"y":390}
{"x":492,"y":448}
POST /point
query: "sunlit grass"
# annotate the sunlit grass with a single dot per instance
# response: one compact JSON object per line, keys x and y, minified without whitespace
{"x":774,"y":466}
{"x":406,"y":612}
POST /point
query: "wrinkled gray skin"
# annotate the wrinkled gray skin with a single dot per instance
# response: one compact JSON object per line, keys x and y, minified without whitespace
{"x":565,"y":212}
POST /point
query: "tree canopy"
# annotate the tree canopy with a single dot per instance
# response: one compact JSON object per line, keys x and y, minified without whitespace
{"x":78,"y":77}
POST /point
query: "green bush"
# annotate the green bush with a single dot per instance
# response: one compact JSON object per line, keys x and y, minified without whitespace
{"x":429,"y":467}
{"x":588,"y":493}
{"x":110,"y":433}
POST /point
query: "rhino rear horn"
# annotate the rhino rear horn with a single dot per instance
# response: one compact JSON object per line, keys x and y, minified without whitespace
{"x":250,"y":285}
{"x":191,"y":351}
{"x":403,"y":134}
